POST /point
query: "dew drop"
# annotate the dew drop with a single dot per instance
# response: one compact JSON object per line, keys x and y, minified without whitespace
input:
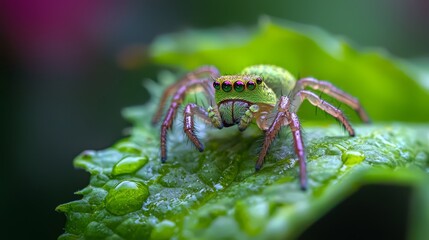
{"x":352,"y":157}
{"x":87,"y":155}
{"x":128,"y":147}
{"x":126,"y":197}
{"x":218,"y":186}
{"x":128,"y":165}
{"x":163,"y":230}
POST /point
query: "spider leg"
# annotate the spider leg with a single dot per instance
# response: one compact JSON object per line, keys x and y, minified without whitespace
{"x":325,"y":106}
{"x":212,"y":71}
{"x":246,"y":119}
{"x":295,"y":127}
{"x":215,"y":117}
{"x":190,"y":81}
{"x":285,"y":117}
{"x":172,"y":110}
{"x":273,"y":130}
{"x":190,"y":111}
{"x":168,"y":92}
{"x":331,"y":90}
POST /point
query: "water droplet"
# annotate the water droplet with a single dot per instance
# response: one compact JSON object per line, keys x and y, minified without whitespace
{"x":352,"y":157}
{"x":86,"y":155}
{"x":126,"y":197}
{"x":128,"y":165}
{"x":86,"y":159}
{"x":163,"y":230}
{"x":218,"y":186}
{"x":128,"y":147}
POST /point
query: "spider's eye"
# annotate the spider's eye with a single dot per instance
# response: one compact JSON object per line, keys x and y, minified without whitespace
{"x":251,"y":85}
{"x":216,"y":85}
{"x":226,"y":86}
{"x":239,"y":86}
{"x":259,"y":80}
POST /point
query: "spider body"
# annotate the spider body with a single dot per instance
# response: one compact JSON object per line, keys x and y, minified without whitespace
{"x":255,"y":88}
{"x":255,"y":94}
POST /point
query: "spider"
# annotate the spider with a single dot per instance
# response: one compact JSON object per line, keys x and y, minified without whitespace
{"x":258,"y":92}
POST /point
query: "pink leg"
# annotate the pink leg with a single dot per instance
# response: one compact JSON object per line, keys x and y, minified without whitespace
{"x":325,"y":106}
{"x":205,"y":70}
{"x":299,"y":149}
{"x":273,"y":130}
{"x":190,"y":81}
{"x":282,"y":118}
{"x":331,"y":90}
{"x":188,"y":124}
{"x":172,"y":110}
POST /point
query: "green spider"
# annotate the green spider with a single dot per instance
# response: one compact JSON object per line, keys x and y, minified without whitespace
{"x":254,"y":95}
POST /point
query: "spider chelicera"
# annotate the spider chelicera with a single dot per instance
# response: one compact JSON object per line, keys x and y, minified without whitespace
{"x":255,"y":94}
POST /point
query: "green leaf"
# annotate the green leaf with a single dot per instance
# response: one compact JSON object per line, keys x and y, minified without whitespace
{"x":380,"y":81}
{"x":217,"y":194}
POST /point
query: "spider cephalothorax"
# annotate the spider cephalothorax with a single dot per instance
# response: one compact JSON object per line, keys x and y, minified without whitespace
{"x":254,"y":94}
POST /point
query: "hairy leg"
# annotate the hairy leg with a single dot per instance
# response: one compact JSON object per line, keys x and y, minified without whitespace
{"x":172,"y":111}
{"x":325,"y":106}
{"x":331,"y":90}
{"x":190,"y":111}
{"x":215,"y":117}
{"x":285,"y":117}
{"x":273,"y":130}
{"x":247,"y":117}
{"x":199,"y":73}
{"x":295,"y":127}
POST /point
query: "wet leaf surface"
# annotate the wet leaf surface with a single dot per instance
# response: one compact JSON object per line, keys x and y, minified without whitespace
{"x":217,"y":194}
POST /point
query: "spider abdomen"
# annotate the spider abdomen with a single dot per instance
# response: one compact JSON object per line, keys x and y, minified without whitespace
{"x":277,"y":78}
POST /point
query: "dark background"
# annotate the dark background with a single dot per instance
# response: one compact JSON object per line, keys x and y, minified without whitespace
{"x":63,"y":84}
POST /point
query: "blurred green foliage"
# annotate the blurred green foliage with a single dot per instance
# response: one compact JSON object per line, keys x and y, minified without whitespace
{"x":217,"y":194}
{"x":389,"y":88}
